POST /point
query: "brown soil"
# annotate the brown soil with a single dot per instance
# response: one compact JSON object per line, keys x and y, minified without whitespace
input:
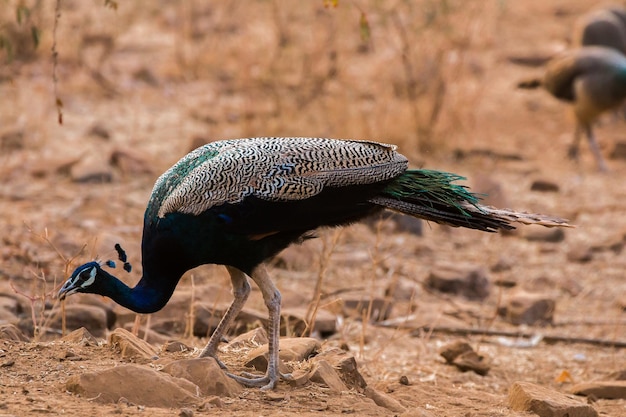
{"x":157,"y":79}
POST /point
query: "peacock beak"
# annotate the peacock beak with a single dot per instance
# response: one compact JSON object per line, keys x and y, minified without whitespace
{"x":67,"y":289}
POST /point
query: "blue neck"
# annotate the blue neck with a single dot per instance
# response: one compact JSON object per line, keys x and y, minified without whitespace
{"x":143,"y":298}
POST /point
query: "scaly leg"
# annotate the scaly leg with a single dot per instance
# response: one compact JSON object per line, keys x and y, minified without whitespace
{"x":572,"y":152}
{"x":596,"y":149}
{"x":241,"y":291}
{"x":272,"y":299}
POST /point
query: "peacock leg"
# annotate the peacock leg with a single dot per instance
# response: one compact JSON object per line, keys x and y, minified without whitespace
{"x":272,"y":299}
{"x":593,"y":144}
{"x":241,"y":291}
{"x":572,"y":152}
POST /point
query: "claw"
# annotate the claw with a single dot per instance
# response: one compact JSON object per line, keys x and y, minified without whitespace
{"x":266,"y":382}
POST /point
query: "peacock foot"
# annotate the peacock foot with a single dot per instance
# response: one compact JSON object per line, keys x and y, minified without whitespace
{"x":266,"y":382}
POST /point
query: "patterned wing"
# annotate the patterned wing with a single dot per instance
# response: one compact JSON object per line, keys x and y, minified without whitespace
{"x":275,"y":169}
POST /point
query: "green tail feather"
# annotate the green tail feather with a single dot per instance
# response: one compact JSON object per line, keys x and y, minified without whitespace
{"x":432,"y":187}
{"x":433,"y":196}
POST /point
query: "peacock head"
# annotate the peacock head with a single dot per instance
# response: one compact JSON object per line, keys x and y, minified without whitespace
{"x":91,"y":278}
{"x":86,"y":278}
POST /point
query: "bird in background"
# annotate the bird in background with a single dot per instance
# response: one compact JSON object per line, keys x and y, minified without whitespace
{"x":239,"y":202}
{"x":602,"y":27}
{"x":593,"y":80}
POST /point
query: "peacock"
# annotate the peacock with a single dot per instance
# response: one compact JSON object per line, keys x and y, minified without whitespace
{"x":593,"y":80}
{"x":239,"y":202}
{"x":602,"y":27}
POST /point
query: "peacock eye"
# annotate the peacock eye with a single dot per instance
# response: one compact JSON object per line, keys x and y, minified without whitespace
{"x":86,"y":278}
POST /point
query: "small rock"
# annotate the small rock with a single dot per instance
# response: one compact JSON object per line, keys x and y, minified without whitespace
{"x":611,"y":390}
{"x":295,"y":318}
{"x":152,"y":337}
{"x":471,"y":361}
{"x":12,"y":141}
{"x":503,"y":264}
{"x":544,"y":186}
{"x":346,"y":366}
{"x":206,"y":374}
{"x":91,"y":170}
{"x":324,"y":373}
{"x":99,"y":131}
{"x":402,"y":289}
{"x":524,"y":396}
{"x":10,"y":304}
{"x":93,"y":318}
{"x":384,"y":400}
{"x":527,"y":308}
{"x":185,"y":412}
{"x":80,"y":336}
{"x":471,"y":282}
{"x":580,"y":254}
{"x":130,"y":346}
{"x":11,"y":332}
{"x":619,"y":151}
{"x":253,"y":338}
{"x":404,"y":380}
{"x":207,"y":316}
{"x":356,"y":304}
{"x":454,"y":349}
{"x":137,"y":384}
{"x":460,"y":354}
{"x":175,"y":346}
{"x":551,"y":235}
{"x":297,"y":349}
{"x":60,"y":165}
{"x":299,"y":378}
{"x":130,"y":162}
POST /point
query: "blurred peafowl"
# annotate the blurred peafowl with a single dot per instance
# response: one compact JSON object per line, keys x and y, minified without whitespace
{"x":240,"y":202}
{"x":604,"y":27}
{"x":593,"y":80}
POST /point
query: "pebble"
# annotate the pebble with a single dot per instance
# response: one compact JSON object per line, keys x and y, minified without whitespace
{"x":528,"y":308}
{"x":470,"y":282}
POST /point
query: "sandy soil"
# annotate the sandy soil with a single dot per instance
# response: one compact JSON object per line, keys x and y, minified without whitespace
{"x":146,"y":83}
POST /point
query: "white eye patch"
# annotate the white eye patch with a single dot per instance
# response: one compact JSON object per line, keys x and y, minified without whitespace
{"x":87,"y":279}
{"x":83,"y":280}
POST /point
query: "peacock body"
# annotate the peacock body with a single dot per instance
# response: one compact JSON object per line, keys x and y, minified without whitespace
{"x":239,"y":202}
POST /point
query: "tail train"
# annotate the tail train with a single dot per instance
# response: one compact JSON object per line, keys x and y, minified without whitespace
{"x":433,"y":196}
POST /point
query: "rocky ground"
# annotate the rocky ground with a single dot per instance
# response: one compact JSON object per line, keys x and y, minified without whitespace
{"x":536,"y":314}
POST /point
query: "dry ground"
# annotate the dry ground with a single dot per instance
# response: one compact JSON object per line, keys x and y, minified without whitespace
{"x":432,"y":76}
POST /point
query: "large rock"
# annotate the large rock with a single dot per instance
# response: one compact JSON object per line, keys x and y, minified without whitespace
{"x":524,"y":396}
{"x":206,"y":374}
{"x":137,"y":384}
